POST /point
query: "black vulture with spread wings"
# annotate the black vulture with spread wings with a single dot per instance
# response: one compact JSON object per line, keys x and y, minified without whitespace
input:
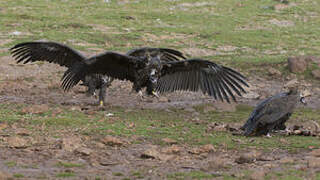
{"x":189,"y":75}
{"x":164,"y":55}
{"x":272,"y":113}
{"x":65,"y":56}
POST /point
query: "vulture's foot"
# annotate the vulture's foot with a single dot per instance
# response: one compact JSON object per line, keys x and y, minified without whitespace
{"x":155,"y":94}
{"x":140,"y":94}
{"x":101,"y":103}
{"x":268,"y":135}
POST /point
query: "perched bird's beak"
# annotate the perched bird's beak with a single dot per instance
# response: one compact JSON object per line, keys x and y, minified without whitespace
{"x":303,"y":100}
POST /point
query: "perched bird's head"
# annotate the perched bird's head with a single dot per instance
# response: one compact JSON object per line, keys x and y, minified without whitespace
{"x":295,"y":92}
{"x":303,"y":100}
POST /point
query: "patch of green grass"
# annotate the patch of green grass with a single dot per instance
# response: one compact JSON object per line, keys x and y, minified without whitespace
{"x":18,"y":175}
{"x":289,"y":174}
{"x":154,"y":125}
{"x":10,"y":164}
{"x":65,"y":175}
{"x":258,"y":31}
{"x":137,"y":175}
{"x":68,"y":164}
{"x":117,"y":174}
{"x":190,"y":175}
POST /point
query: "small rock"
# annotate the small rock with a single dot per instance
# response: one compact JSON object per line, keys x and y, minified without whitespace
{"x":112,"y":141}
{"x":169,"y":141}
{"x":163,"y":99}
{"x":314,"y":163}
{"x":75,"y":108}
{"x":155,"y":154}
{"x":84,"y":151}
{"x":269,"y":166}
{"x":274,"y":72}
{"x":174,"y":149}
{"x":35,"y":109}
{"x":266,"y":158}
{"x":246,"y":158}
{"x":202,"y":149}
{"x":251,"y":95}
{"x":71,"y":143}
{"x":3,"y":125}
{"x":316,"y":73}
{"x":17,"y":142}
{"x":286,"y":160}
{"x":258,"y":175}
{"x":217,"y":163}
{"x":297,"y":64}
{"x":315,"y":153}
{"x":291,"y":83}
{"x":22,"y":132}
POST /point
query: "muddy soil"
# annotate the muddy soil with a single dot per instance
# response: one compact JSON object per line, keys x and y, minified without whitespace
{"x":44,"y":157}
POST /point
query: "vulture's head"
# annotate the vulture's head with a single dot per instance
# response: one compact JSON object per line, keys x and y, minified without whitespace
{"x":154,"y":69}
{"x":295,"y":92}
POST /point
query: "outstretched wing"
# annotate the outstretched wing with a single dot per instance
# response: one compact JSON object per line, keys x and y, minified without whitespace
{"x":112,"y":64}
{"x":196,"y":74}
{"x":165,"y":54}
{"x":46,"y":51}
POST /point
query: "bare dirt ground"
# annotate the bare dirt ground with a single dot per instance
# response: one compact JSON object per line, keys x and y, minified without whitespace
{"x":117,"y":158}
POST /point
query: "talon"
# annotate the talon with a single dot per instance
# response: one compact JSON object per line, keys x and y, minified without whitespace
{"x":155,"y":94}
{"x":101,"y":104}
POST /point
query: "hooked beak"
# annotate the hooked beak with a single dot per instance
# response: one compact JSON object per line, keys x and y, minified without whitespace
{"x":303,"y":100}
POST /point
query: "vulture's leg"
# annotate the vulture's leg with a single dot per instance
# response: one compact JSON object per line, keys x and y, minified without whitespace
{"x":268,"y":135}
{"x":91,"y":89}
{"x":140,"y":93}
{"x":102,"y":94}
{"x":137,"y":87}
{"x":106,"y":82}
{"x":151,"y":91}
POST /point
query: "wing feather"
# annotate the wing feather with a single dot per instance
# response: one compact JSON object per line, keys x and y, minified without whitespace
{"x":112,"y":64}
{"x":165,"y":54}
{"x":46,"y":51}
{"x":195,"y":74}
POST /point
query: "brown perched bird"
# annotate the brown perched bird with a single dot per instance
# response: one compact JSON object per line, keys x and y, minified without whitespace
{"x":272,"y":113}
{"x":63,"y":55}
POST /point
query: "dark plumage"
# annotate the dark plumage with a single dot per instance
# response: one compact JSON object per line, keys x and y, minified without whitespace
{"x":65,"y":56}
{"x":190,"y":75}
{"x":272,"y":113}
{"x":163,"y":54}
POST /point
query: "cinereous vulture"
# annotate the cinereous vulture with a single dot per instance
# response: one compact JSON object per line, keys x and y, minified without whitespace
{"x":272,"y":113}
